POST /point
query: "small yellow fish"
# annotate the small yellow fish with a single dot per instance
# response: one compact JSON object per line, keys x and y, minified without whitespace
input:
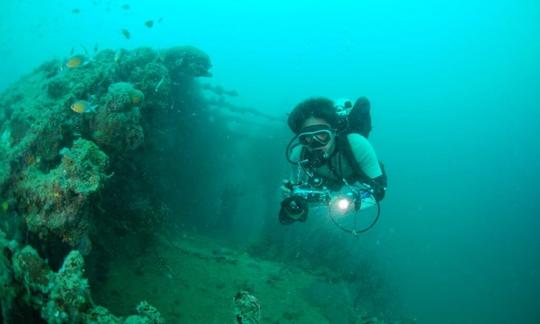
{"x":83,"y":106}
{"x":118,"y":55}
{"x":126,"y":33}
{"x":75,"y":61}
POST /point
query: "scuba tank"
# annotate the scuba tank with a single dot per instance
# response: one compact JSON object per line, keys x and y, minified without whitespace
{"x":354,"y":118}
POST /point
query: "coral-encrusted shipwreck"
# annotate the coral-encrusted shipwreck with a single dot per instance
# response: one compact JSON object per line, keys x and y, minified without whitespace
{"x":57,"y":163}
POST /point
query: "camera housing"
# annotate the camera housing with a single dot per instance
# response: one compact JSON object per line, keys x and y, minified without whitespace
{"x":295,"y":207}
{"x":311,"y":194}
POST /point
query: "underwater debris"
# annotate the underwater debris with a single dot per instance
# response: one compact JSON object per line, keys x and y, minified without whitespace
{"x":76,"y":11}
{"x":149,"y":23}
{"x":126,"y":6}
{"x":159,"y":84}
{"x":247,"y":309}
{"x":220,"y":102}
{"x":126,"y":33}
{"x":5,"y":138}
{"x":219,"y":90}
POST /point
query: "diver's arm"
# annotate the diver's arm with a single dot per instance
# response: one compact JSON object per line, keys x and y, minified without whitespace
{"x":366,"y":158}
{"x":295,"y":175}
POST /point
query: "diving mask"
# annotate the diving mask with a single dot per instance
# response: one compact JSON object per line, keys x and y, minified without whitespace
{"x":315,"y":136}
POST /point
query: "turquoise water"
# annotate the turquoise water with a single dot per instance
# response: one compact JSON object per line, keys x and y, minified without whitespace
{"x":455,"y":94}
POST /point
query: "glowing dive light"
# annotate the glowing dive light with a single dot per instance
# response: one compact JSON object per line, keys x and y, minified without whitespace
{"x":343,"y":203}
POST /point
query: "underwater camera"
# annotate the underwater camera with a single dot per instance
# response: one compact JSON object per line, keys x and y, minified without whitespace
{"x":295,"y":207}
{"x":344,"y":202}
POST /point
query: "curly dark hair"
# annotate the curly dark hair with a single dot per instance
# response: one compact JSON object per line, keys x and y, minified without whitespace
{"x":314,"y":107}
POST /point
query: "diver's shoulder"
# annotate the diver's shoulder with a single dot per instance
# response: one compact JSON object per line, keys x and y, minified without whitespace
{"x":356,"y":139}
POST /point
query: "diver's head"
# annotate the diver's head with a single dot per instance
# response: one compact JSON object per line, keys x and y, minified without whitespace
{"x":320,"y":108}
{"x":314,"y":121}
{"x":316,"y":134}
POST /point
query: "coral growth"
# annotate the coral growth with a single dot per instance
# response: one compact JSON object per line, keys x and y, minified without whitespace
{"x":146,"y":315}
{"x":52,"y":159}
{"x":55,"y":164}
{"x":69,"y":294}
{"x":59,"y":297}
{"x":186,"y":60}
{"x":8,"y":288}
{"x":57,"y":202}
{"x":63,"y":172}
{"x":118,"y":125}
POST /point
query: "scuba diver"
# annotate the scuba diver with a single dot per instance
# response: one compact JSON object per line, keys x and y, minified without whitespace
{"x":334,"y":163}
